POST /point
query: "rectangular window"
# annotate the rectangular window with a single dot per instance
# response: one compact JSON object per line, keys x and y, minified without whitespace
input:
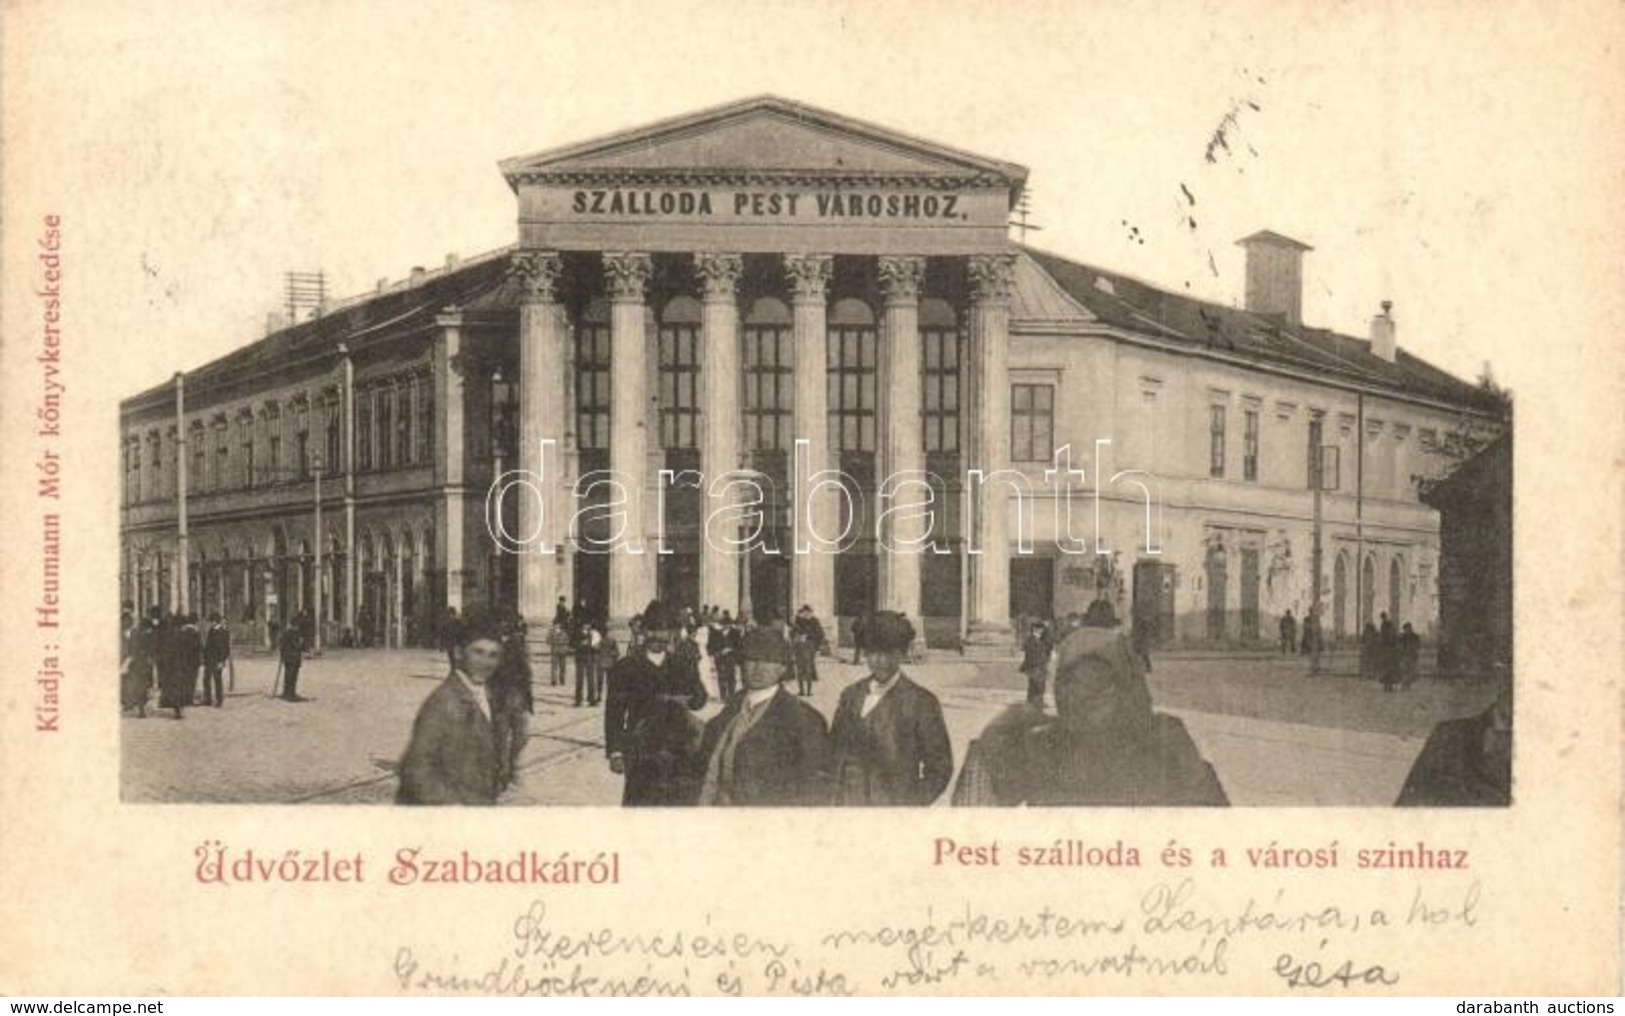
{"x":1032,"y":423}
{"x":769,"y":367}
{"x":504,"y":418}
{"x":1315,"y":464}
{"x":333,"y":434}
{"x":1249,"y":454}
{"x":196,"y":483}
{"x":1216,"y":424}
{"x":425,"y":427}
{"x":384,"y":400}
{"x":852,"y":357}
{"x":679,"y":386}
{"x":363,"y":429}
{"x":222,"y":455}
{"x":592,"y":387}
{"x":940,"y":349}
{"x":404,"y":392}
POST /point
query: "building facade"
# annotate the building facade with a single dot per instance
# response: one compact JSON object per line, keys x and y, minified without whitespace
{"x":766,"y":355}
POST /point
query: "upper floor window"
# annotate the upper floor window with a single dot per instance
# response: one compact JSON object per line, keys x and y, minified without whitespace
{"x":679,"y":361}
{"x":1249,"y":453}
{"x":1032,"y":423}
{"x":593,"y":379}
{"x":940,"y":349}
{"x":1216,"y":428}
{"x":769,"y":382}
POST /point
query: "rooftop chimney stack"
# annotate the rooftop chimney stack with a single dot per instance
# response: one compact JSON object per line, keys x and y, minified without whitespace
{"x":1275,"y":275}
{"x":1382,"y":332}
{"x":418,"y":274}
{"x":453,"y":262}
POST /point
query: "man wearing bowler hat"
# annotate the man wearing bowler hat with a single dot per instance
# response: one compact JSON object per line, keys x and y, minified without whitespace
{"x":649,"y":729}
{"x":891,"y":746}
{"x":767,"y":748}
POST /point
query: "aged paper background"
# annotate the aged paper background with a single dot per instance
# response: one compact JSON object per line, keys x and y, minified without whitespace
{"x":195,"y":152}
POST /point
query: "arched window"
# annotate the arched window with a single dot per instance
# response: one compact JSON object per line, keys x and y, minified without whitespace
{"x":679,"y":361}
{"x":852,"y":351}
{"x":769,"y":382}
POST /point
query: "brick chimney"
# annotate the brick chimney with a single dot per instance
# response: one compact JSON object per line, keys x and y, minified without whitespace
{"x":1382,"y":332}
{"x":1275,"y":275}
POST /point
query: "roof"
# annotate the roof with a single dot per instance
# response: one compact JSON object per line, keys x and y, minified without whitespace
{"x":1273,"y":239}
{"x":764,"y":134}
{"x":352,"y":320}
{"x":1128,"y":304}
{"x":1049,"y":290}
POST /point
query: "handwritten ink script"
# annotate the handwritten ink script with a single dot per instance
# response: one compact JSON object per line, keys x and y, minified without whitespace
{"x":1308,"y":942}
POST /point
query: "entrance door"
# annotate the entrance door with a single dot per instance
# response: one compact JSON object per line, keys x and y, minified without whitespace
{"x":590,"y":595}
{"x":770,"y":586}
{"x":1249,"y":594}
{"x":1032,"y":587}
{"x":1218,"y":592}
{"x":1154,"y":601}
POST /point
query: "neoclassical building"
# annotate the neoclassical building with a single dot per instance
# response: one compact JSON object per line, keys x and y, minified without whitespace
{"x":766,"y":355}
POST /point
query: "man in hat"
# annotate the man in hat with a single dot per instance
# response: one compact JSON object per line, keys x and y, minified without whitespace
{"x":766,"y":748}
{"x":891,"y":746}
{"x":806,"y":641}
{"x":453,"y":755}
{"x":216,"y":657}
{"x":648,"y":721}
{"x":1035,"y":653}
{"x":1466,"y":762}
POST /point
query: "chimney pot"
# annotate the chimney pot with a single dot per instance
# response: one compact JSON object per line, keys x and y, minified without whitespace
{"x":418,"y":272}
{"x":453,"y":262}
{"x":383,"y":283}
{"x":1382,"y":333}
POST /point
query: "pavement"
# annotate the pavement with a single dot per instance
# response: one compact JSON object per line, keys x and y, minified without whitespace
{"x":1275,"y":735}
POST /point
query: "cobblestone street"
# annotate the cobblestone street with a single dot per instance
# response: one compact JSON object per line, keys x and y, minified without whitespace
{"x":1275,"y":735}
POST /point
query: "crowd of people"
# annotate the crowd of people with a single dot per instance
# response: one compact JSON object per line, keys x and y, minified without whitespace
{"x":183,"y":659}
{"x":886,"y":743}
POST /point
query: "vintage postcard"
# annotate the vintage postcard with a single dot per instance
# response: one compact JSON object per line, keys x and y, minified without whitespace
{"x":811,"y":499}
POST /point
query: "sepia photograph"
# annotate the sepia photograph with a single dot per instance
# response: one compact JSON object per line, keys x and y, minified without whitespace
{"x":521,"y":498}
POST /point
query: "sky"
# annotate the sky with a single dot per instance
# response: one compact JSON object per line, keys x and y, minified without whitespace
{"x":1429,"y":153}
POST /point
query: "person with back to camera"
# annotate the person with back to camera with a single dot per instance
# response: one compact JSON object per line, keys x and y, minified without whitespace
{"x":1104,"y":746}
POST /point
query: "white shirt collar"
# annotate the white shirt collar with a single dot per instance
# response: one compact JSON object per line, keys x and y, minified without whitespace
{"x":478,"y":691}
{"x":759,"y":696}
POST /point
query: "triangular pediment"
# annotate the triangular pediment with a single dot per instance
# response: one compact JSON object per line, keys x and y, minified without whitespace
{"x":765,"y":136}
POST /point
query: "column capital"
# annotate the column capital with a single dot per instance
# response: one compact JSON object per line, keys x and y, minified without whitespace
{"x":992,"y":277}
{"x":900,"y":277}
{"x":719,"y":274}
{"x":809,"y":275}
{"x":538,"y":273}
{"x":628,"y":274}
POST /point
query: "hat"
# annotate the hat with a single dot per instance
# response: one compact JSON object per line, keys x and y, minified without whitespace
{"x":765,"y":645}
{"x":659,"y":616}
{"x":806,"y":608}
{"x":887,"y":631}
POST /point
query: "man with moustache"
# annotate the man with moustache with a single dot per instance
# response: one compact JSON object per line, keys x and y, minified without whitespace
{"x":890,"y":743}
{"x":649,"y":729}
{"x":766,"y":748}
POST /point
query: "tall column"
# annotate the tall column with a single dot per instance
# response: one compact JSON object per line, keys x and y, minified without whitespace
{"x":720,"y":382}
{"x":451,"y":450}
{"x":812,"y":572}
{"x":991,"y":279}
{"x":903,"y":444}
{"x":543,"y":362}
{"x":182,"y":541}
{"x":631,"y":563}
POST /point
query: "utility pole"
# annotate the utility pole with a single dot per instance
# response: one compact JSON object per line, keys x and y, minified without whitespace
{"x":316,"y":584}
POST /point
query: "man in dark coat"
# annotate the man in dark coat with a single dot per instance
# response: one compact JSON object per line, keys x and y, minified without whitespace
{"x":291,"y":648}
{"x":584,"y":643}
{"x":453,"y":756}
{"x":1388,"y":653}
{"x":174,"y":683}
{"x":766,"y":748}
{"x":1465,"y":762}
{"x":723,"y":645}
{"x":1289,"y":632}
{"x":216,"y":656}
{"x":1035,"y":650}
{"x":806,"y":642}
{"x":1410,"y":655}
{"x":890,"y":743}
{"x":649,"y":729}
{"x":189,"y":656}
